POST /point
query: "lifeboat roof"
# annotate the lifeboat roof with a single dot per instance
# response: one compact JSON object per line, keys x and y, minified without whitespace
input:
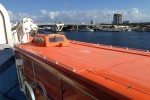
{"x":120,"y":70}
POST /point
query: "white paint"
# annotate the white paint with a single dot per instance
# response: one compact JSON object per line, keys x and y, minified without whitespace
{"x":2,"y":33}
{"x":5,"y":27}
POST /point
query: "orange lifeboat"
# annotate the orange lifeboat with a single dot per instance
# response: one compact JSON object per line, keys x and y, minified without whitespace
{"x":69,"y":70}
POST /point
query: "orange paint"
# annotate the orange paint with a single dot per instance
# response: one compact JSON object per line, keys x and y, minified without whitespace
{"x":120,"y":73}
{"x":50,"y":40}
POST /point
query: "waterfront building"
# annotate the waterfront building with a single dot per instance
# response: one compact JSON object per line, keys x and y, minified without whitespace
{"x":117,"y":19}
{"x":125,"y":22}
{"x":92,"y":22}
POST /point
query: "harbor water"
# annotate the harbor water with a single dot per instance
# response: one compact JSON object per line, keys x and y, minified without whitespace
{"x":135,"y":40}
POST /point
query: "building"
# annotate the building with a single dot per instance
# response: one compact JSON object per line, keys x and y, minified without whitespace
{"x":125,"y":22}
{"x":117,"y":19}
{"x":92,"y":22}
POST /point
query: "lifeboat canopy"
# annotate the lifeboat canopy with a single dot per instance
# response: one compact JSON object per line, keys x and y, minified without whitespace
{"x":51,"y":40}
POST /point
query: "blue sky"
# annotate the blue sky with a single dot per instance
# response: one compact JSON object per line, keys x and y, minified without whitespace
{"x":77,"y":11}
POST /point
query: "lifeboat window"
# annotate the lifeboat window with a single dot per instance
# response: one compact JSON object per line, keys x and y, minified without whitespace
{"x":56,"y":39}
{"x":52,"y":39}
{"x":35,"y":38}
{"x":59,"y":39}
{"x":41,"y":39}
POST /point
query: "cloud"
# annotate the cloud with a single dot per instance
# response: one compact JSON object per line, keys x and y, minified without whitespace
{"x":80,"y":16}
{"x":135,"y":14}
{"x":53,"y":15}
{"x":12,"y":16}
{"x":17,"y":17}
{"x":44,"y":12}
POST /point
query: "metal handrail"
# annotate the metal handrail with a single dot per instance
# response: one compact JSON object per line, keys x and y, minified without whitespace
{"x":30,"y":90}
{"x":87,"y":43}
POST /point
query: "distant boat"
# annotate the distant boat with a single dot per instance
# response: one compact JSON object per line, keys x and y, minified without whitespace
{"x":58,"y":27}
{"x":86,"y":29}
{"x":47,"y":29}
{"x":110,"y":30}
{"x":127,"y":29}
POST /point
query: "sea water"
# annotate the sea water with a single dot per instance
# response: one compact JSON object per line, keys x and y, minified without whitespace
{"x":135,"y":40}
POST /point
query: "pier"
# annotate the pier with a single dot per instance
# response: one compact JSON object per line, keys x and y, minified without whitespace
{"x":76,"y":27}
{"x":139,"y":27}
{"x":68,"y":26}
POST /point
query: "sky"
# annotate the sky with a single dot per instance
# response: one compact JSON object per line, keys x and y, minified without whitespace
{"x":77,"y":11}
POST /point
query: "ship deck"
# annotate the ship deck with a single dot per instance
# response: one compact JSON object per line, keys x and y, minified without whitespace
{"x":121,"y":70}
